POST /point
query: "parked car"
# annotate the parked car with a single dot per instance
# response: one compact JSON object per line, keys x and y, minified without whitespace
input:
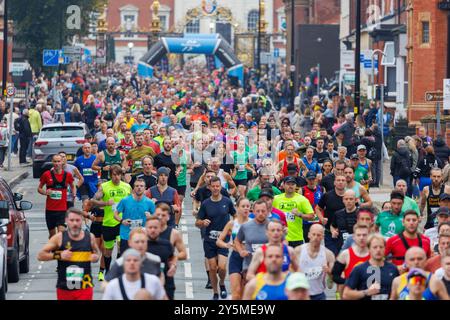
{"x":17,"y":231}
{"x":54,"y":138}
{"x":4,"y":219}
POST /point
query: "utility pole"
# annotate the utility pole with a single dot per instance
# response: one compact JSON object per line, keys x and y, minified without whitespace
{"x":5,"y":48}
{"x":258,"y":50}
{"x":292,"y":67}
{"x":357,"y":97}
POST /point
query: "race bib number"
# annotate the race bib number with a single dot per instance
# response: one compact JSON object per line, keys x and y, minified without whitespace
{"x":345,"y":236}
{"x":56,"y":195}
{"x":88,"y":172}
{"x":114,"y":207}
{"x":380,"y":297}
{"x":74,"y":274}
{"x":314,"y":273}
{"x":241,"y":167}
{"x":138,"y":165}
{"x":136,"y":224}
{"x":290,"y":217}
{"x":256,"y":246}
{"x":214,"y":235}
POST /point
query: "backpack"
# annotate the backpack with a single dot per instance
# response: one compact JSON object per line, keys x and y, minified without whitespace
{"x":405,"y":167}
{"x":372,"y":153}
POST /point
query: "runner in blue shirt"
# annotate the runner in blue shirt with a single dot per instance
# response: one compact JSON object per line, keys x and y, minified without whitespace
{"x":84,"y":165}
{"x":132,"y":212}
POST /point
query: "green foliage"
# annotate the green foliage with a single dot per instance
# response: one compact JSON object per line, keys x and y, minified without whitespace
{"x":41,"y":24}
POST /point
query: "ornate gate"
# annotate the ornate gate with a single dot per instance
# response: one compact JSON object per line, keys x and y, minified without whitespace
{"x":245,"y":48}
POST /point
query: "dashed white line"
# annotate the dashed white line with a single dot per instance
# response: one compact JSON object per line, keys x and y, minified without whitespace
{"x":184,"y":228}
{"x":33,"y":275}
{"x":185,"y":239}
{"x":188,"y":254}
{"x":183,"y":221}
{"x":189,"y":290}
{"x":21,"y":297}
{"x":187,"y":270}
{"x":40,"y":267}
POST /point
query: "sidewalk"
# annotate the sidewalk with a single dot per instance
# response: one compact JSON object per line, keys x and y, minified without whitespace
{"x":17,"y":173}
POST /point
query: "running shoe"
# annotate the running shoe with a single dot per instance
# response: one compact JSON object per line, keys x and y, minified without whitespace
{"x":101,"y":276}
{"x":330,"y":283}
{"x":208,"y":285}
{"x":223,"y":292}
{"x":338,"y":296}
{"x":215,"y":296}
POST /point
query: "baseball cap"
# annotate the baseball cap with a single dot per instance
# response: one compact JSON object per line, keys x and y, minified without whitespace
{"x":443,"y":211}
{"x":232,"y":126}
{"x":311,"y":175}
{"x":361,"y":147}
{"x":416,"y":272}
{"x":266,"y":193}
{"x":297,"y":280}
{"x":163,"y":170}
{"x":444,"y":196}
{"x":290,"y":180}
{"x":354,"y":157}
{"x":158,"y":114}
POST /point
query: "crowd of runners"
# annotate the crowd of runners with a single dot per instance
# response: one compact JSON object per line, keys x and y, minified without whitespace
{"x":281,"y":194}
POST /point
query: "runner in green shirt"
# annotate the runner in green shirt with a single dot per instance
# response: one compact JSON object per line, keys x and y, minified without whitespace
{"x":408,"y":203}
{"x":390,"y":222}
{"x":297,"y":208}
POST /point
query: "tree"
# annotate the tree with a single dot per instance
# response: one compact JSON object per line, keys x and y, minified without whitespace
{"x":42,"y":24}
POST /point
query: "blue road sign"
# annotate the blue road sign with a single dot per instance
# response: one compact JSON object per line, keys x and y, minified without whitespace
{"x":50,"y":58}
{"x":66,"y":60}
{"x":276,"y":52}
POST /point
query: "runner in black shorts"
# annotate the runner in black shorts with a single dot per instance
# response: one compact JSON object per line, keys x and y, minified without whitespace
{"x":55,"y":219}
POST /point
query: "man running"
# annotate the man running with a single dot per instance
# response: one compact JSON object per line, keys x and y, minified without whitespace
{"x":389,"y":223}
{"x":107,"y":158}
{"x":137,"y":153}
{"x":69,"y":168}
{"x":371,"y":280}
{"x":408,"y":203}
{"x":90,"y":179}
{"x":108,"y":196}
{"x":361,"y":194}
{"x":313,"y":192}
{"x":297,"y":208}
{"x":344,"y":219}
{"x":147,"y":174}
{"x":75,"y":250}
{"x":274,"y":234}
{"x":164,"y":159}
{"x":430,"y":197}
{"x":132,"y":212}
{"x":56,"y":182}
{"x":213,"y":216}
{"x":270,"y":285}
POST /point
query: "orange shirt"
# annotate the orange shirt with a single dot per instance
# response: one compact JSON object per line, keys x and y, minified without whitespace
{"x":282,"y":155}
{"x":201,"y":117}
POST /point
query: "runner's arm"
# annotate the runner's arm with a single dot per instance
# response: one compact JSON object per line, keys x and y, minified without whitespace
{"x":339,"y":267}
{"x":77,"y":174}
{"x":249,"y":290}
{"x":254,"y":264}
{"x":225,"y":232}
{"x":95,"y":250}
{"x":99,"y":159}
{"x":232,"y":190}
{"x":294,"y":260}
{"x":423,"y":200}
{"x":438,"y":288}
{"x":320,"y":215}
{"x":180,"y":246}
{"x":395,"y":283}
{"x":47,"y":252}
{"x":331,"y":259}
{"x":367,"y":200}
{"x":41,"y":189}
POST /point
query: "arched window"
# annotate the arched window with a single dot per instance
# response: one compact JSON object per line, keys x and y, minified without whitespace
{"x":252,"y":22}
{"x":193,"y":26}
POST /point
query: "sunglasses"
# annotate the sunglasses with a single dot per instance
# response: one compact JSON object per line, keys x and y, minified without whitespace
{"x":417,"y":280}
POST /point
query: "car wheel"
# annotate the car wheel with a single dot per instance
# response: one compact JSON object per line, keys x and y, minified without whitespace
{"x":13,"y":267}
{"x":37,"y":170}
{"x":24,"y":265}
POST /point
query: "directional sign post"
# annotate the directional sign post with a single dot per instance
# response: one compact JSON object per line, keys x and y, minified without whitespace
{"x":10,"y":92}
{"x":434,"y":96}
{"x":50,"y":58}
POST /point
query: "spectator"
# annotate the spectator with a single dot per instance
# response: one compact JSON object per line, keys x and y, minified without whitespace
{"x":25,"y":135}
{"x":424,"y":167}
{"x":75,"y":113}
{"x":441,"y":150}
{"x":46,"y":116}
{"x":401,"y":163}
{"x":4,"y":141}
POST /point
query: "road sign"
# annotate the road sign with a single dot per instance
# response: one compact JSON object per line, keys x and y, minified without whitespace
{"x":276,"y":52}
{"x":50,"y":58}
{"x":434,"y":96}
{"x":10,"y":90}
{"x":444,"y":5}
{"x":446,"y":94}
{"x":292,"y":68}
{"x":72,"y":50}
{"x":17,"y":68}
{"x":66,"y":60}
{"x":347,"y":59}
{"x":265,"y":57}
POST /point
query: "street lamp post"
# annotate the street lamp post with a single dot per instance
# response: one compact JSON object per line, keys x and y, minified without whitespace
{"x":292,"y":67}
{"x":358,"y":59}
{"x":5,"y":47}
{"x":258,"y":52}
{"x":130,"y":46}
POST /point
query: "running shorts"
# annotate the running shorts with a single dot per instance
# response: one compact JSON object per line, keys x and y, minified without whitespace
{"x":181,"y":190}
{"x":55,"y":219}
{"x":96,"y":229}
{"x":235,"y":263}
{"x":241,"y":182}
{"x":212,"y":250}
{"x":82,"y":294}
{"x":110,"y":235}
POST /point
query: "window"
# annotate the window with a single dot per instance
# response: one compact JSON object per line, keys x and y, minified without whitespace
{"x":163,"y":23}
{"x":425,"y":32}
{"x":252,"y":22}
{"x":129,"y":20}
{"x":193,"y":26}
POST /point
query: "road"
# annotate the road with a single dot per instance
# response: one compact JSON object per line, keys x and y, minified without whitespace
{"x":39,"y":283}
{"x":190,"y":279}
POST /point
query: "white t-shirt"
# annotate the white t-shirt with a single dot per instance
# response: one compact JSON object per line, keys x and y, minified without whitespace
{"x":152,"y":285}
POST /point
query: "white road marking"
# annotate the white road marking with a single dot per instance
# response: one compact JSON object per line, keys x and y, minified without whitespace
{"x":21,"y":297}
{"x":184,"y":228}
{"x":26,"y":288}
{"x":32,"y":275}
{"x":188,"y":254}
{"x":189,"y":290}
{"x":185,"y":239}
{"x":40,"y":267}
{"x":20,"y":190}
{"x":187,"y":270}
{"x":183,"y":221}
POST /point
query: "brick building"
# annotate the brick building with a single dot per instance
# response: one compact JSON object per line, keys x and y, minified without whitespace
{"x":2,"y":42}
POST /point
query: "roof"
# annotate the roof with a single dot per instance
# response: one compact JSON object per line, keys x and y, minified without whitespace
{"x":64,"y":124}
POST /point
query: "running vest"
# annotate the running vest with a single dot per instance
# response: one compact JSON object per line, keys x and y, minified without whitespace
{"x":432,"y":206}
{"x":166,"y":234}
{"x":313,"y":269}
{"x":355,"y":189}
{"x":235,"y":229}
{"x":109,"y":161}
{"x":223,"y":181}
{"x":126,"y":146}
{"x":285,"y":164}
{"x":58,"y":187}
{"x":76,"y":273}
{"x":286,"y":259}
{"x":354,"y":261}
{"x":406,"y":245}
{"x":264,"y":291}
{"x":168,"y":197}
{"x":403,"y":290}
